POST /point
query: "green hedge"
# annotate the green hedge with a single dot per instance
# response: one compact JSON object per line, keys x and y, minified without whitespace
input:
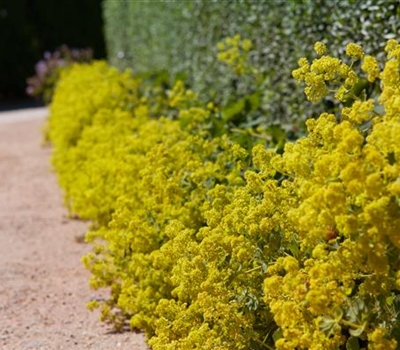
{"x":181,"y":37}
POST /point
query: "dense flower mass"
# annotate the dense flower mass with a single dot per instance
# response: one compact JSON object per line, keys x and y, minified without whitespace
{"x":346,"y":223}
{"x":205,"y":244}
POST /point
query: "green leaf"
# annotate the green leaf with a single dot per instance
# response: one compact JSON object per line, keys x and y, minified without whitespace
{"x":390,"y":300}
{"x":358,"y":331}
{"x":328,"y":324}
{"x":355,"y":311}
{"x":254,"y":100}
{"x":277,"y":335}
{"x":231,"y":110}
{"x":352,"y":344}
{"x":294,"y":249}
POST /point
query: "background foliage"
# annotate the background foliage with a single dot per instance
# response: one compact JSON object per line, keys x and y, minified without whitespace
{"x":181,"y":37}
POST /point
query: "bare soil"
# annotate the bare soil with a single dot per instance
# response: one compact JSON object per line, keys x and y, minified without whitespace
{"x":43,"y":284}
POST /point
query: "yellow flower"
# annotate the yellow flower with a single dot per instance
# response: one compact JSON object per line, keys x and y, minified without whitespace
{"x":320,"y":252}
{"x":320,"y":48}
{"x":360,"y":112}
{"x":246,"y":45}
{"x":354,"y":51}
{"x":392,"y":48}
{"x":351,"y":79}
{"x":290,"y":264}
{"x":370,"y":66}
{"x":380,"y":341}
{"x":316,"y":89}
{"x":341,"y":93}
{"x":300,"y":74}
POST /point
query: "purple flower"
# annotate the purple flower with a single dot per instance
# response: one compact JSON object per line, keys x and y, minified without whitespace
{"x":41,"y":68}
{"x":29,"y":90}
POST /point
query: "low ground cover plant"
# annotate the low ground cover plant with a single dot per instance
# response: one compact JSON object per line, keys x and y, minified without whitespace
{"x":210,"y":241}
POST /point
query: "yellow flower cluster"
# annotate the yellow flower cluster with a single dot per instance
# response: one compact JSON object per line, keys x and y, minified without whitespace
{"x":322,"y":71}
{"x":371,"y":67}
{"x":354,"y":51}
{"x":320,"y":48}
{"x":234,"y":52}
{"x":326,"y":74}
{"x":147,"y":184}
{"x":344,"y":211}
{"x":88,"y":95}
{"x":179,"y":96}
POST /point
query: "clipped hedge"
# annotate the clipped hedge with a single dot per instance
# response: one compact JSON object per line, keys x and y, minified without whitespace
{"x":181,"y":37}
{"x":205,"y":245}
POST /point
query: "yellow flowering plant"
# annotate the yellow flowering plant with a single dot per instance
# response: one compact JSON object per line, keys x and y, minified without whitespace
{"x":206,"y":245}
{"x":324,"y":218}
{"x":342,"y":289}
{"x":139,"y":179}
{"x":173,"y":183}
{"x":327,"y":74}
{"x":87,"y":98}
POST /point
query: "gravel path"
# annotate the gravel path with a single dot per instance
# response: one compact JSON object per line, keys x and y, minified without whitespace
{"x":43,"y":285}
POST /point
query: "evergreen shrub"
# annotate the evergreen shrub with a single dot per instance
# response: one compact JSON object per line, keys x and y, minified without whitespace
{"x":181,"y":38}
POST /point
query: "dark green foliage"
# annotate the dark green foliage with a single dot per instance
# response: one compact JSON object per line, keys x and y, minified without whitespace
{"x":76,"y":23}
{"x":28,"y":28}
{"x":17,"y":47}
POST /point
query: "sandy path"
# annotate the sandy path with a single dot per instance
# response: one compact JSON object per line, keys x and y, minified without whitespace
{"x":43,"y":285}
